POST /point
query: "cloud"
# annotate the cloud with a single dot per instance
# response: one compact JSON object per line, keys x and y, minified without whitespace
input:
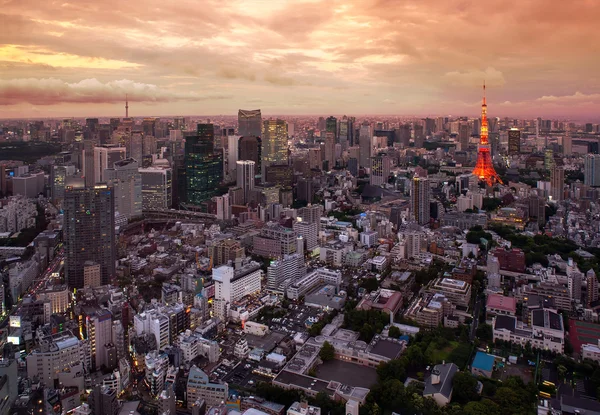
{"x":575,"y":98}
{"x":51,"y":91}
{"x":491,"y":76}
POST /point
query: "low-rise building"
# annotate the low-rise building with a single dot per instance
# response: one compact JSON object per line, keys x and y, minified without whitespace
{"x":199,"y":387}
{"x":439,"y":384}
{"x":546,"y":330}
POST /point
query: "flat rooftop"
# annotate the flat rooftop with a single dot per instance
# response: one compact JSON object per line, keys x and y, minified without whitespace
{"x":387,"y":348}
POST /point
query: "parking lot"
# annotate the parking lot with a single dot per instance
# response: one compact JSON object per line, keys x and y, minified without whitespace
{"x":295,"y":319}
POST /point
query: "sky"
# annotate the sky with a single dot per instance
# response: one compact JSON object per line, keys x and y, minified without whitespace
{"x":318,"y":57}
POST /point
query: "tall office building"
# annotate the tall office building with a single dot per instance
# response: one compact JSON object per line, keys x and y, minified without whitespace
{"x":364,"y":142}
{"x":463,"y":136}
{"x":404,"y":135}
{"x":345,"y":132}
{"x":250,"y":122}
{"x":245,"y":177}
{"x":329,"y":150}
{"x":419,"y":136}
{"x":126,"y":181}
{"x":203,"y":166}
{"x":88,"y":162}
{"x":514,"y":141}
{"x":249,"y":148}
{"x":274,"y":144}
{"x":105,"y":157}
{"x":592,"y":170}
{"x":557,"y":182}
{"x":157,"y":188}
{"x":420,"y":196}
{"x":89,"y":232}
{"x":231,"y":156}
{"x":380,"y":169}
{"x":332,"y":127}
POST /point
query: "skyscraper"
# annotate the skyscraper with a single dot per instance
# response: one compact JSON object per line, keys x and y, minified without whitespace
{"x":592,"y":170}
{"x":557,"y":182}
{"x":203,"y":166}
{"x":88,"y":162}
{"x":105,"y":157}
{"x":484,"y":169}
{"x":250,"y":148}
{"x":274,"y":144}
{"x":418,"y":136}
{"x":89,"y":232}
{"x":514,"y":141}
{"x":331,"y":127}
{"x":126,"y":181}
{"x":245,"y":177}
{"x":157,"y":188}
{"x":463,"y":136}
{"x":250,"y":122}
{"x":364,"y":142}
{"x":330,"y":150}
{"x":380,"y":169}
{"x":420,"y":196}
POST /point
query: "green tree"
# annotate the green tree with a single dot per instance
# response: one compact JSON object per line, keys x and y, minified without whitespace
{"x":484,"y":407}
{"x":465,"y":388}
{"x":327,"y":352}
{"x":394,"y":332}
{"x":394,"y":369}
{"x":485,"y":332}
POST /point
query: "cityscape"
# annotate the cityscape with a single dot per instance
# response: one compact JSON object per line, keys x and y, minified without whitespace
{"x":425,"y":243}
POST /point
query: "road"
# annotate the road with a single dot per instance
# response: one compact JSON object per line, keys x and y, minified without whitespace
{"x":38,"y":283}
{"x":476,"y":311}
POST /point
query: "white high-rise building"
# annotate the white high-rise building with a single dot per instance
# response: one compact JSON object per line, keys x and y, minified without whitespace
{"x":232,"y":155}
{"x":285,"y":271}
{"x":126,"y":181}
{"x":309,"y":232}
{"x":223,"y":207}
{"x":233,"y":284}
{"x":245,"y":177}
{"x":105,"y":157}
{"x":592,"y":170}
{"x":157,"y":188}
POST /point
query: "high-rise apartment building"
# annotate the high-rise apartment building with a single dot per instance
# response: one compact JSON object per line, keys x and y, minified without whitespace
{"x":89,"y":232}
{"x":592,"y":287}
{"x":249,"y":123}
{"x":223,"y":207}
{"x":329,"y":150}
{"x":157,"y":188}
{"x":592,"y":170}
{"x":225,"y":250}
{"x":285,"y":271}
{"x":250,"y":148}
{"x":557,"y":182}
{"x":245,"y":177}
{"x":88,"y":162}
{"x":420,"y":197}
{"x":419,"y":136}
{"x":203,"y":166}
{"x":331,"y":126}
{"x":126,"y":181}
{"x":514,"y":141}
{"x":274,"y":144}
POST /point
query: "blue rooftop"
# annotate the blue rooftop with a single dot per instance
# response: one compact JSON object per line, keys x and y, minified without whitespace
{"x":483,"y":361}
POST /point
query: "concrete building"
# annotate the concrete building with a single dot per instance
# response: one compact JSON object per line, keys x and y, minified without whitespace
{"x":226,"y":250}
{"x":591,"y":170}
{"x":420,"y":197}
{"x":546,"y":330}
{"x":274,"y":241}
{"x":126,"y":181}
{"x":285,"y":271}
{"x":55,"y":354}
{"x":458,"y":292}
{"x":309,"y":233}
{"x":310,"y":281}
{"x":59,"y":297}
{"x":157,"y":188}
{"x":199,"y":387}
{"x":245,"y":173}
{"x":105,"y":157}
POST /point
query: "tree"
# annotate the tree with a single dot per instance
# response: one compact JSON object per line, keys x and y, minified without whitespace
{"x":484,"y":407}
{"x":484,"y":332}
{"x":327,"y":352}
{"x":394,"y":332}
{"x":465,"y":388}
{"x":369,"y":284}
{"x":394,"y":369}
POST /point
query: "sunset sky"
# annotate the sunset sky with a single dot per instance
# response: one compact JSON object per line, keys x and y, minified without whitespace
{"x":208,"y":57}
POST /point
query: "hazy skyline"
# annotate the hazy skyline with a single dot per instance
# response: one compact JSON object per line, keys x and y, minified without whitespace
{"x":538,"y":57}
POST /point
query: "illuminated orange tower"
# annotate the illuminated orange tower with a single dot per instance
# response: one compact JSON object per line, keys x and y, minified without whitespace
{"x":484,"y":169}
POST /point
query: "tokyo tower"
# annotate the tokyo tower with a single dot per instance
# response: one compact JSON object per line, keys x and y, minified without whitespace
{"x":484,"y":169}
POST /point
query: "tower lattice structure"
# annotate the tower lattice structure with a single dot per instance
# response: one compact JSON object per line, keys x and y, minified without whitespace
{"x":484,"y":169}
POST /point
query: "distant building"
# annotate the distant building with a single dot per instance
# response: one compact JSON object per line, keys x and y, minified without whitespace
{"x":592,"y":170}
{"x":203,"y":165}
{"x":249,"y":123}
{"x":514,"y":141}
{"x":546,"y":330}
{"x":157,"y":188}
{"x":420,"y":197}
{"x":510,"y":259}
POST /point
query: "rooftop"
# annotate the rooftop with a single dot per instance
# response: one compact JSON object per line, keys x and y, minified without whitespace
{"x":483,"y":361}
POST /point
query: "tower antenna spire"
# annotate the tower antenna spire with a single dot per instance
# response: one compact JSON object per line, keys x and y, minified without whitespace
{"x":484,"y":91}
{"x":126,"y":106}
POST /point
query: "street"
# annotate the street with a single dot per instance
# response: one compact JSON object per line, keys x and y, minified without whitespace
{"x":37,"y":284}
